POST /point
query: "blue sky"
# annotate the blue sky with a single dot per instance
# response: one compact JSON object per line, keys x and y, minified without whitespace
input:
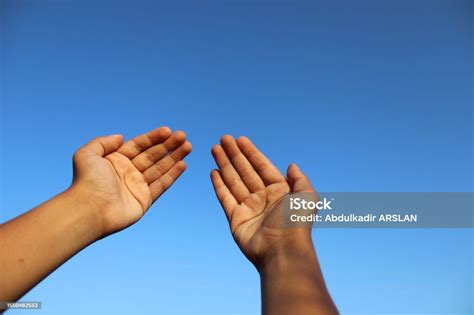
{"x":364,"y":96}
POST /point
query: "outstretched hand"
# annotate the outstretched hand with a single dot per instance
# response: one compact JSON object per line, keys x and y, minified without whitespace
{"x":250,"y":189}
{"x":122,"y":180}
{"x":114,"y":184}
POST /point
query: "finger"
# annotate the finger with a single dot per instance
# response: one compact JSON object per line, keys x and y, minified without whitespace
{"x":230,"y":176}
{"x":297,"y":180}
{"x":262,"y":165}
{"x":101,"y":146}
{"x":142,"y":142}
{"x":164,"y":165}
{"x":246,"y":172}
{"x":159,"y":186}
{"x":150,"y":156}
{"x":223,"y":194}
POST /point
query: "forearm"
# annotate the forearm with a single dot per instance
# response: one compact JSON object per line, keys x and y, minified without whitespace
{"x":292,"y":282}
{"x":37,"y":242}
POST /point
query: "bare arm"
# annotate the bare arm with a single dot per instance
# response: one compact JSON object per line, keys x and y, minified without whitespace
{"x":36,"y":243}
{"x":114,"y":184}
{"x":292,"y":281}
{"x":250,"y":189}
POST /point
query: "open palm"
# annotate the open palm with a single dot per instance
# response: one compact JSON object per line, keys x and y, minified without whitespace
{"x":123,"y":179}
{"x":250,"y":189}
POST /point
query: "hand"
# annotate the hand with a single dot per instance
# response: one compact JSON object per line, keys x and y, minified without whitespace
{"x":250,"y":189}
{"x":122,"y":180}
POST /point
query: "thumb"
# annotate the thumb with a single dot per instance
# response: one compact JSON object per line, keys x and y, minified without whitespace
{"x":297,"y":180}
{"x":102,"y":145}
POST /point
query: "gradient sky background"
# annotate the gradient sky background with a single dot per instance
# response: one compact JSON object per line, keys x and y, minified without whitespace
{"x":364,"y":96}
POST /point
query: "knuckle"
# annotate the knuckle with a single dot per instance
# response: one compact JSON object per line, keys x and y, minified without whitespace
{"x":77,"y":155}
{"x":234,"y":181}
{"x":159,"y":169}
{"x":151,"y":155}
{"x":261,"y":167}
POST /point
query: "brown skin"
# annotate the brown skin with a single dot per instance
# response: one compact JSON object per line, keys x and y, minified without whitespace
{"x":250,"y":189}
{"x":114,"y":185}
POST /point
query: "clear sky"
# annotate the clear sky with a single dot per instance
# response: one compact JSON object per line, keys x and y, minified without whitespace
{"x":363,"y":95}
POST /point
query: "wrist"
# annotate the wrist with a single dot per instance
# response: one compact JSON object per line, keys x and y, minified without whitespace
{"x":292,"y":281}
{"x":85,"y":211}
{"x":288,"y":253}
